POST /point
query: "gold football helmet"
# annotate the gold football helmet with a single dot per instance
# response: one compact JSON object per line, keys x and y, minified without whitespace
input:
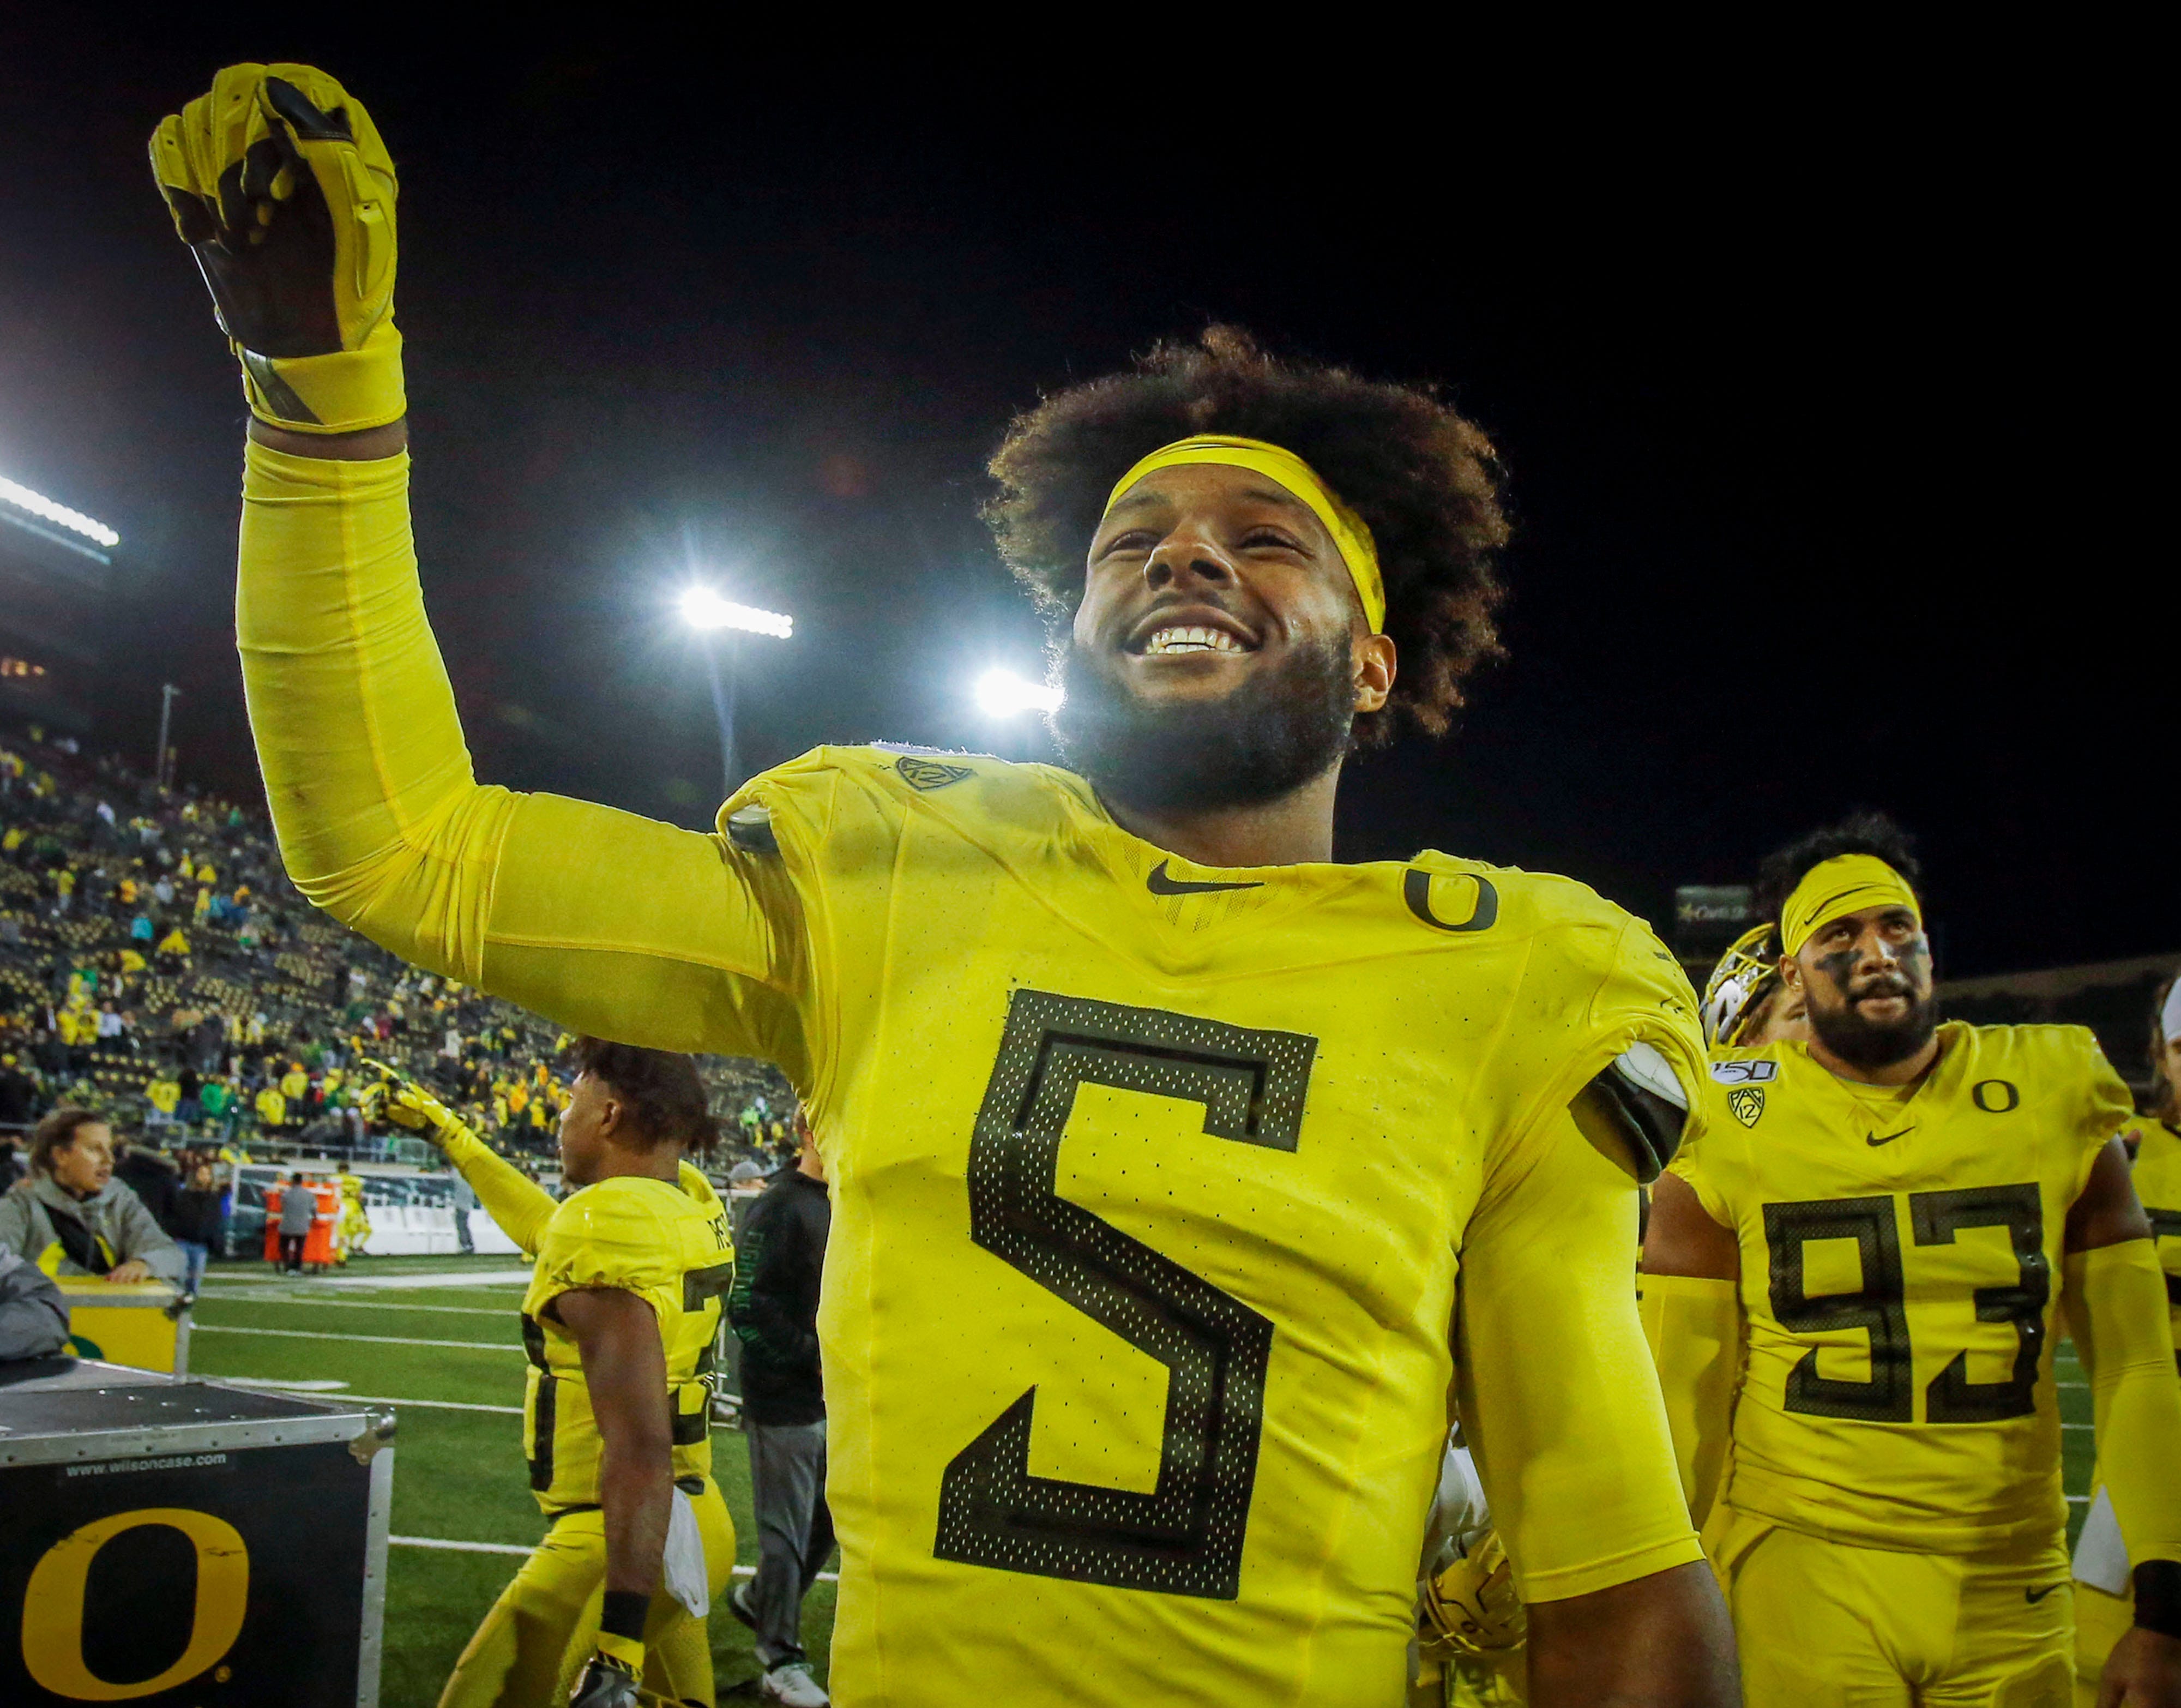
{"x":1747,"y":974}
{"x":1471,"y":1606}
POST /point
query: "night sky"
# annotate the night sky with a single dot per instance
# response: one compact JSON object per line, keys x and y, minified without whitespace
{"x":1822,"y":494}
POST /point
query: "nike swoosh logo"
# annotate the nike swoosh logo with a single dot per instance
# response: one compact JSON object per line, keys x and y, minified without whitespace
{"x":1159,"y":884}
{"x":1873,"y":1138}
{"x":2034,"y":1596}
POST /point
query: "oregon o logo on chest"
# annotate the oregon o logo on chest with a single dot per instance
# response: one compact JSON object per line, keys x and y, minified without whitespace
{"x":1996,"y":1097}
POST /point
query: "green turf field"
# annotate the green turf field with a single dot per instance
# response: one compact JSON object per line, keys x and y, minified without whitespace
{"x":458,"y":1475}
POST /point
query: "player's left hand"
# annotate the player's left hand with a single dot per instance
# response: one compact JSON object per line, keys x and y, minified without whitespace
{"x":606,"y":1683}
{"x":2144,"y":1670}
{"x":400,"y":1100}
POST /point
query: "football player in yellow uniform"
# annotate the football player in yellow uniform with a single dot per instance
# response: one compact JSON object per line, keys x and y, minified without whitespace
{"x":1852,"y":1279}
{"x":1181,"y":1174}
{"x":2103,"y":1612}
{"x":619,"y":1323}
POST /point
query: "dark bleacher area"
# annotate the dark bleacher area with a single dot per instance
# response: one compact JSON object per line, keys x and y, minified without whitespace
{"x":258,"y":983}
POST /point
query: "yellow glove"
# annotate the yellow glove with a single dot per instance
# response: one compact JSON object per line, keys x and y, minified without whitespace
{"x":278,"y":181}
{"x":400,"y":1102}
{"x":1471,"y":1605}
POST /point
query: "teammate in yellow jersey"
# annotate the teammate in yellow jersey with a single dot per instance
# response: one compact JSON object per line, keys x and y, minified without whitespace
{"x":1182,"y":1174}
{"x":1852,"y":1279}
{"x":2103,"y":1612}
{"x":619,"y":1323}
{"x":1746,"y":1003}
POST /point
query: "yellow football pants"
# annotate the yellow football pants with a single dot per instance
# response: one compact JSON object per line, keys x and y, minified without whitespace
{"x":541,"y":1630}
{"x":1827,"y":1625}
{"x":2101,"y":1621}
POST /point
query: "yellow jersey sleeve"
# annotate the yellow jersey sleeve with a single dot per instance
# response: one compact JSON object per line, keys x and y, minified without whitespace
{"x":2157,"y":1174}
{"x":382,"y":823}
{"x":1556,"y":1385}
{"x":607,"y":1235}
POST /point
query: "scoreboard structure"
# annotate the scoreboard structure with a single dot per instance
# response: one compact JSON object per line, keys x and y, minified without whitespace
{"x":183,"y":1544}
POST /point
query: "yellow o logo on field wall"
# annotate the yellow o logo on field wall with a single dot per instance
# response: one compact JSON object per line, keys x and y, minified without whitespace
{"x":52,"y":1604}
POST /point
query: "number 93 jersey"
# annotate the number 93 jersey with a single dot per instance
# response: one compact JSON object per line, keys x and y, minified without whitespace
{"x":1151,"y":1184}
{"x":1900,"y":1276}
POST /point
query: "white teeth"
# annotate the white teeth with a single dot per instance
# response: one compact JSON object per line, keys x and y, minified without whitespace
{"x":1165,"y":641}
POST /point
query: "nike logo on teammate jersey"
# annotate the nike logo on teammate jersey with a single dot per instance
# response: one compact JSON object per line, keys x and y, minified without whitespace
{"x":1873,"y":1138}
{"x":2034,"y":1596}
{"x":1159,"y":884}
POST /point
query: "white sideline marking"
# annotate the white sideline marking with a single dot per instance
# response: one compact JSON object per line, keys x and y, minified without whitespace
{"x":503,"y":1311}
{"x":286,"y":1387}
{"x":373,"y":1339}
{"x":516,"y":1548}
{"x":430,"y":1278}
{"x":436,"y":1405}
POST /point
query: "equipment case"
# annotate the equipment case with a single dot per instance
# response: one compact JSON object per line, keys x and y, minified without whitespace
{"x":184,"y":1545}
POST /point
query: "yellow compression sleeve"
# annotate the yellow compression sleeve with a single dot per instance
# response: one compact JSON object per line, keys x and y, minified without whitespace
{"x":2117,"y":1309}
{"x":511,"y":1197}
{"x":600,"y":919}
{"x":1557,"y":1393}
{"x":1694,"y":1325}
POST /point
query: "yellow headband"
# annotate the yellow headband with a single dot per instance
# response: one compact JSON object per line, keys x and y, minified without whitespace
{"x":1833,"y":888}
{"x":1351,"y":537}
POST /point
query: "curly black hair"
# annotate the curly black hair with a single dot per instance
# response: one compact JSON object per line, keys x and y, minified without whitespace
{"x":1865,"y":831}
{"x":661,"y":1088}
{"x":1425,"y":479}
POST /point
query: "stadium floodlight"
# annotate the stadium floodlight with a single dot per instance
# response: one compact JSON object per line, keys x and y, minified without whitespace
{"x":704,"y":609}
{"x":1002,"y":693}
{"x":46,"y":510}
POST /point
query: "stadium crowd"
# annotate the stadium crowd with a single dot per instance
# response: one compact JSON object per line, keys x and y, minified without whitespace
{"x":158,"y":968}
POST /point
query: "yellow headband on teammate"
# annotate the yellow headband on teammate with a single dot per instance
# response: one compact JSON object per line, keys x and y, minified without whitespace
{"x":1351,"y":536}
{"x":1833,"y":888}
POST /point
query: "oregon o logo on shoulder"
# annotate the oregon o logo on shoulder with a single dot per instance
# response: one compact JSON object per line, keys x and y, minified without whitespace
{"x":53,"y":1604}
{"x":1746,"y":1103}
{"x":1996,"y":1097}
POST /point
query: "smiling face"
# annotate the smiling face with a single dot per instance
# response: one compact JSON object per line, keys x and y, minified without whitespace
{"x":1220,"y":651}
{"x":1866,"y":978}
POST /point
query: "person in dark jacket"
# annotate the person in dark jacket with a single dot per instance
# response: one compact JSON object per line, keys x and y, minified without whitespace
{"x":148,"y":1174}
{"x":34,"y":1316}
{"x":194,"y":1220}
{"x":774,"y":1309}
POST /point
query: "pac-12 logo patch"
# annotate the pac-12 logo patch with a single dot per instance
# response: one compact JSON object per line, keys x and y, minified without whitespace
{"x":1744,"y":1072}
{"x":926,"y":775}
{"x":1746,"y":1103}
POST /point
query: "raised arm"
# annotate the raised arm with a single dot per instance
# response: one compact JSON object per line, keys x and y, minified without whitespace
{"x":604,"y":921}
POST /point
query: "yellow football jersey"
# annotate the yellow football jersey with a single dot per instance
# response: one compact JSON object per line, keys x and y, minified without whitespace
{"x":669,"y":1246}
{"x":1151,"y":1184}
{"x":2157,"y":1174}
{"x":1900,"y":1273}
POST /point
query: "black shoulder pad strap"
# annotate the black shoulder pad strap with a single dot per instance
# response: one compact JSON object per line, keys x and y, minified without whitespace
{"x":1651,"y":1126}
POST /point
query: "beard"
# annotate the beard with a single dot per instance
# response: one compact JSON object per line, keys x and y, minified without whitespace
{"x":1282,"y":728}
{"x":1866,"y":1043}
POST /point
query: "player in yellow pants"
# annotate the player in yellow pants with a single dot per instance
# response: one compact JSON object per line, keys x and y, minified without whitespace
{"x":1851,"y":1627}
{"x":542,"y":1629}
{"x":618,"y":1323}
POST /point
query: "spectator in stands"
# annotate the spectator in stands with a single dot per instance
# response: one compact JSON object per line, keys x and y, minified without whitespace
{"x":299,"y":1208}
{"x":34,"y":1316}
{"x":774,"y":1306}
{"x":73,"y":1217}
{"x":19,"y":1097}
{"x":194,"y":1221}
